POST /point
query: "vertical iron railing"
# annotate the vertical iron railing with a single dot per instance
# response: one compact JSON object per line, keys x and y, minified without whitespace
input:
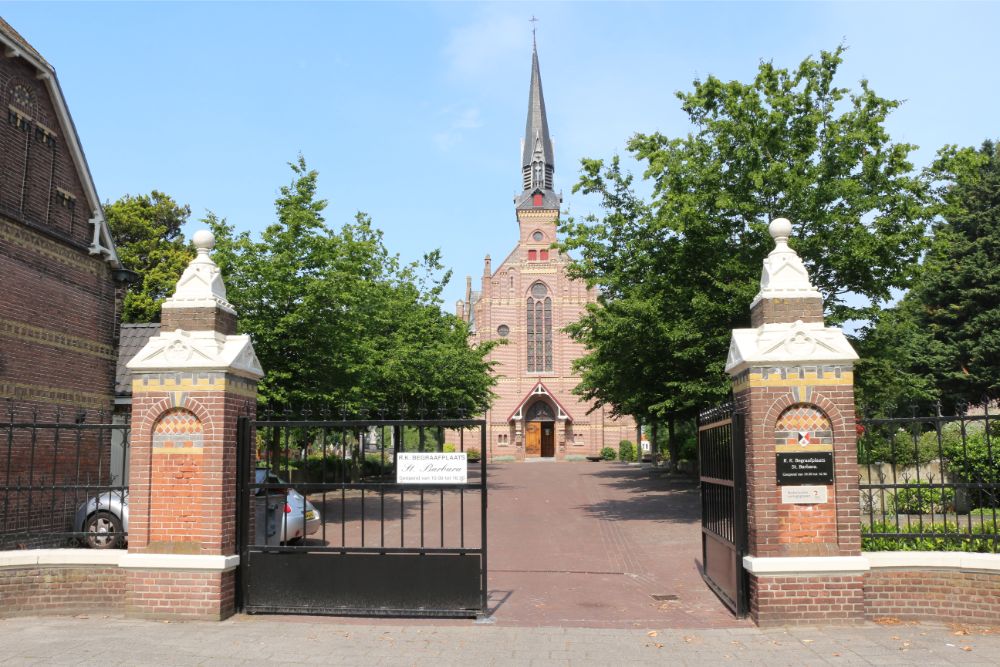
{"x":722,"y":462}
{"x":63,"y":479}
{"x":930,"y":482}
{"x":335,"y":483}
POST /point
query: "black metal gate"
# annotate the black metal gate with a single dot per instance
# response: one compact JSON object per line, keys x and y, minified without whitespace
{"x":324,"y":527}
{"x":721,"y":454}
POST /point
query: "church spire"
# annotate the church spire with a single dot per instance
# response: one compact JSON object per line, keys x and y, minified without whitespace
{"x":537,"y":156}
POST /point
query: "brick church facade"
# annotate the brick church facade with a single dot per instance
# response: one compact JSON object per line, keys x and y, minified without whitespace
{"x":59,"y":296}
{"x":528,"y":299}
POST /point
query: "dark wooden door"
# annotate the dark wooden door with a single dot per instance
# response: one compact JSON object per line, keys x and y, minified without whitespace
{"x":548,"y":440}
{"x":533,"y":439}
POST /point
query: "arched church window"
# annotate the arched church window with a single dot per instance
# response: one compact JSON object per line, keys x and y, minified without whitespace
{"x":539,"y":329}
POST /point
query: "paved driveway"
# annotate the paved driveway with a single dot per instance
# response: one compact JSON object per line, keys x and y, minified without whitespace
{"x":589,"y":544}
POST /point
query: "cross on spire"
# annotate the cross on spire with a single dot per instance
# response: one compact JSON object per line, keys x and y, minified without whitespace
{"x":533,"y":21}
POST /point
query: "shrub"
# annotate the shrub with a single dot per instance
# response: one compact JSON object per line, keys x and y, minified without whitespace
{"x":976,"y":461}
{"x":902,"y":447}
{"x":608,"y":453}
{"x":472,"y":453}
{"x":939,"y":536}
{"x":922,"y":499}
{"x":626,"y":450}
{"x":449,"y":448}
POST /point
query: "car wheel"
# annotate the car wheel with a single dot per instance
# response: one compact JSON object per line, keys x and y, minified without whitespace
{"x":104,"y":531}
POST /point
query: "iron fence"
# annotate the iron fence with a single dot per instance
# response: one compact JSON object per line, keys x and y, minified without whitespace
{"x":930,"y":483}
{"x":63,"y":479}
{"x":722,"y":461}
{"x":327,"y":507}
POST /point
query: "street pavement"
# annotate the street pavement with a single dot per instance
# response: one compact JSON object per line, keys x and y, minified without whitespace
{"x":256,"y":640}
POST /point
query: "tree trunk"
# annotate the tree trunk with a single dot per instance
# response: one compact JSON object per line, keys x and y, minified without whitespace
{"x":672,"y":444}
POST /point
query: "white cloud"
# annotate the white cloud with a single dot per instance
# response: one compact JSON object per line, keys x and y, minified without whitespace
{"x":468,"y":119}
{"x":460,"y":121}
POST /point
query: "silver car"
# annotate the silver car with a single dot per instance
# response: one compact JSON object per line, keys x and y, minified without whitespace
{"x":290,"y":528}
{"x":104,"y":518}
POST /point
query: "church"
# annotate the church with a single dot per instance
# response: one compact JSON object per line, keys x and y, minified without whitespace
{"x":528,"y":300}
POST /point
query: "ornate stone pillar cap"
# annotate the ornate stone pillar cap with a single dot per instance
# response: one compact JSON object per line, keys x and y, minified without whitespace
{"x":201,"y":283}
{"x":796,"y":343}
{"x":193,"y":351}
{"x":784,"y":275}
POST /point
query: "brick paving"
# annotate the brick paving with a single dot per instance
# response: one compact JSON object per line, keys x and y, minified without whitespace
{"x":589,"y":544}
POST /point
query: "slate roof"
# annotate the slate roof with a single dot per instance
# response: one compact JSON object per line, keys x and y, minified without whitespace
{"x":536,"y":128}
{"x":133,"y":338}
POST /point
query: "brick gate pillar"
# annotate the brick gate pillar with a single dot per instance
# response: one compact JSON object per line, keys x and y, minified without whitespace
{"x":793,"y":379}
{"x":189,"y":385}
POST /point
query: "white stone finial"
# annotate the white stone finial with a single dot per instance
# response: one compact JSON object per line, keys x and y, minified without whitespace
{"x":201,"y":285}
{"x":784,"y":275}
{"x":203,"y":240}
{"x":781,"y":229}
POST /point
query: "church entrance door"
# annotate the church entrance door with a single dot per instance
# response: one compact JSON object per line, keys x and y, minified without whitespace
{"x":540,"y":439}
{"x":533,"y":439}
{"x":548,"y":440}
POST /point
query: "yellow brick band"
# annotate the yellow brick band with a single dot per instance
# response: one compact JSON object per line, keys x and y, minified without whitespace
{"x":25,"y":238}
{"x":31,"y":334}
{"x":58,"y":395}
{"x":172,"y":384}
{"x":187,"y":451}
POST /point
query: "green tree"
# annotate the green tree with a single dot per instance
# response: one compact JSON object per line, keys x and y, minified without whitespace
{"x":148,"y":237}
{"x":678,"y":272}
{"x":337,"y":318}
{"x":942,"y":341}
{"x":896,"y":353}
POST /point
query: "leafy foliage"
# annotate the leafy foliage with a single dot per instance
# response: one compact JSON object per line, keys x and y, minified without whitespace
{"x":927,"y":536}
{"x":626,"y":451}
{"x":679,"y":271}
{"x":336,"y":318}
{"x":922,"y":499}
{"x":943,"y":340}
{"x":608,"y":453}
{"x":148,"y":238}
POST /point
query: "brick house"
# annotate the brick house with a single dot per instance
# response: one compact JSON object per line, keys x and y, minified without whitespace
{"x":58,"y":314}
{"x":528,"y":300}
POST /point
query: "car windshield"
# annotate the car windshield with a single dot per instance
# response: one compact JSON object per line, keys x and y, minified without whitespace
{"x":263,"y":474}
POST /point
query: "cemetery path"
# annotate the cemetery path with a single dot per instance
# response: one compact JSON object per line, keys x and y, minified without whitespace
{"x":590,"y":544}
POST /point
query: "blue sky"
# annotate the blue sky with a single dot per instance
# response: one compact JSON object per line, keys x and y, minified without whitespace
{"x":413,"y":112}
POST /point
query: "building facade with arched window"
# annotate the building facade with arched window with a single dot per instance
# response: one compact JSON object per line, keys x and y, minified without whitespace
{"x":528,"y":300}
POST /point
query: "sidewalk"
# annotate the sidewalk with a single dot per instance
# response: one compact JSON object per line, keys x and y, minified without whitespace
{"x":246,"y":640}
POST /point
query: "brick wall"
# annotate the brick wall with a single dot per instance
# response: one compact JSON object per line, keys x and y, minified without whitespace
{"x":804,"y":600}
{"x":933,"y":595}
{"x":57,"y":314}
{"x":102,"y":589}
{"x":38,"y":171}
{"x":193,"y":595}
{"x":61,"y":590}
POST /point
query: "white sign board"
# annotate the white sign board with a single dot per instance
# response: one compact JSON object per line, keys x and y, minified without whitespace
{"x":803,"y":495}
{"x":431,"y":468}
